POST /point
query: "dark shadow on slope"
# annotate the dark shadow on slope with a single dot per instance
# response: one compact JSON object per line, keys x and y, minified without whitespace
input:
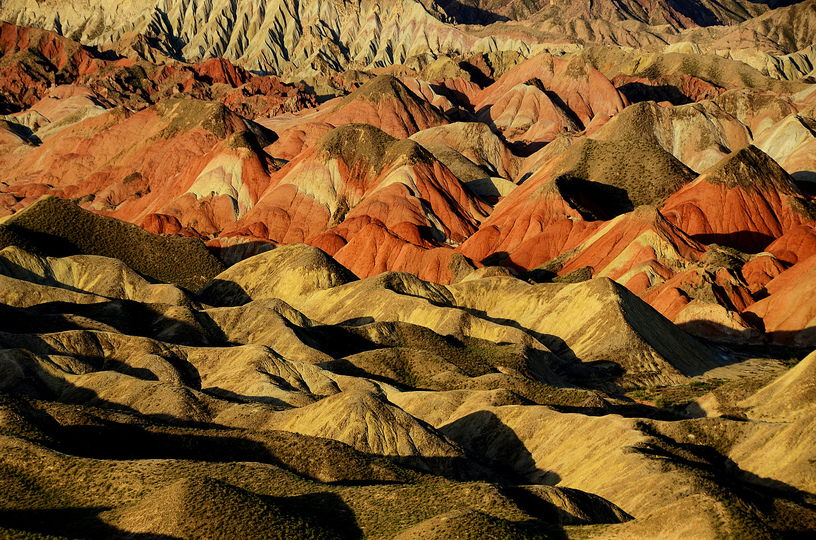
{"x":636,"y":92}
{"x":589,"y":510}
{"x":483,"y":434}
{"x":332,"y":510}
{"x":110,"y":432}
{"x":745,"y":241}
{"x":476,"y":75}
{"x":126,"y":317}
{"x":566,"y":109}
{"x":470,"y":13}
{"x":739,"y":345}
{"x":696,"y":11}
{"x":221,"y":293}
{"x":73,"y":523}
{"x":187,"y":373}
{"x":704,"y":16}
{"x":594,"y":200}
{"x":749,"y":500}
{"x":596,"y":375}
{"x":805,"y":180}
{"x":233,"y":254}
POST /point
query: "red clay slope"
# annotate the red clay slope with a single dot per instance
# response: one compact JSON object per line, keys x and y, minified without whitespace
{"x":746,"y":202}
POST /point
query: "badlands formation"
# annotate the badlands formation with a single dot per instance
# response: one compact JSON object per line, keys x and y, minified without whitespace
{"x":405,"y":269}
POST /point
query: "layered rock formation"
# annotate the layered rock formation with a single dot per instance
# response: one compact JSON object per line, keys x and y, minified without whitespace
{"x":451,"y":288}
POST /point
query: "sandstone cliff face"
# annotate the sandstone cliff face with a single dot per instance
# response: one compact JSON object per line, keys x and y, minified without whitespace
{"x":273,"y":36}
{"x":317,"y":37}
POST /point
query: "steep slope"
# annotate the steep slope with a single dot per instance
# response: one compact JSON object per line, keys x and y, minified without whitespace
{"x":385,"y":102}
{"x":791,"y":143}
{"x":369,"y":37}
{"x":699,"y":135}
{"x":590,"y":180}
{"x":476,"y":142}
{"x":546,"y":95}
{"x":783,"y":412}
{"x":194,"y":161}
{"x":594,"y":321}
{"x":34,"y":61}
{"x":638,"y":250}
{"x":746,"y":201}
{"x":359,"y":183}
{"x":787,"y":315}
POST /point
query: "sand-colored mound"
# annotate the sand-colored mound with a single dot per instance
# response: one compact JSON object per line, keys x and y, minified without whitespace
{"x":256,"y":373}
{"x":780,"y":447}
{"x":272,"y":323}
{"x":370,"y":424}
{"x":413,"y":356}
{"x":598,"y":455}
{"x":57,"y":227}
{"x":398,"y":296}
{"x":203,"y":506}
{"x":789,"y":396}
{"x":70,"y":380}
{"x":97,"y":275}
{"x":722,"y":72}
{"x":467,"y":523}
{"x":594,"y":321}
{"x":493,"y":309}
{"x":746,"y":201}
{"x":290,"y":271}
{"x":22,"y":293}
{"x":62,"y":107}
{"x":491,"y":188}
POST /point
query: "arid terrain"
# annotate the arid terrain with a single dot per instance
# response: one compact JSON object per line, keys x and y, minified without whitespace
{"x":407,"y":270}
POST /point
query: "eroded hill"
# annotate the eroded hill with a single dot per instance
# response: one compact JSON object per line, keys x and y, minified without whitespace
{"x":472,"y":283}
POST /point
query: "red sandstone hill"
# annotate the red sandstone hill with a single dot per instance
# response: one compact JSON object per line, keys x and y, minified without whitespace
{"x":34,"y":60}
{"x":178,"y":156}
{"x":358,"y":181}
{"x":746,"y":201}
{"x":591,"y":180}
{"x":386,"y":103}
{"x":544,"y":96}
